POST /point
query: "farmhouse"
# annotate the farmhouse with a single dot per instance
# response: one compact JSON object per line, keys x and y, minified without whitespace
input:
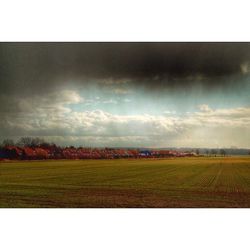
{"x":145,"y":153}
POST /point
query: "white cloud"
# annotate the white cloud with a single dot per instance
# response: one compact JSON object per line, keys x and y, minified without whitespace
{"x":51,"y":116}
{"x":233,"y":117}
{"x":121,"y":91}
{"x":110,"y":101}
{"x":113,"y":81}
{"x":245,"y":68}
{"x":54,"y":102}
{"x":168,"y":112}
{"x":127,"y":100}
{"x":205,"y":108}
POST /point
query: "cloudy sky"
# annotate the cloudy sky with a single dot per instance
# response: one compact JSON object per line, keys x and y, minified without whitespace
{"x":127,"y":94}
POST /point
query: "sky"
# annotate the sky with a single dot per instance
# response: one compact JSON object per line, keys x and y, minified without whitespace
{"x":127,"y":94}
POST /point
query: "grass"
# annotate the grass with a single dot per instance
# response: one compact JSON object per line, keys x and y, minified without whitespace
{"x":180,"y":182}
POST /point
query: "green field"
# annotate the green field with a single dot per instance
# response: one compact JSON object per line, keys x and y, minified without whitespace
{"x":180,"y":182}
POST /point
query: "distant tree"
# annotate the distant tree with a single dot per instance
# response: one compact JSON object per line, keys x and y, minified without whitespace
{"x":37,"y":142}
{"x":30,"y":142}
{"x":8,"y":142}
{"x":197,"y":151}
{"x":207,"y":152}
{"x":213,"y":152}
{"x":222,"y":151}
{"x":47,"y":145}
{"x":25,"y":142}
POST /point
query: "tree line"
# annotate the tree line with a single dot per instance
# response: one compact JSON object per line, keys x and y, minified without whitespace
{"x":40,"y":142}
{"x":27,"y":142}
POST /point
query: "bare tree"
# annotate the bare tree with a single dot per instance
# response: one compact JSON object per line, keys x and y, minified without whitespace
{"x":8,"y":142}
{"x":37,"y":142}
{"x":31,"y":142}
{"x":24,"y":142}
{"x":213,"y":152}
{"x":222,"y":151}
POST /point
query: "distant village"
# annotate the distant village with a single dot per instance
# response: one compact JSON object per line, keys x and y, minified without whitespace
{"x":37,"y":149}
{"x":28,"y":148}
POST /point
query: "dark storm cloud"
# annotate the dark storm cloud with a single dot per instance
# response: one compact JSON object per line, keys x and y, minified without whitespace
{"x":30,"y":67}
